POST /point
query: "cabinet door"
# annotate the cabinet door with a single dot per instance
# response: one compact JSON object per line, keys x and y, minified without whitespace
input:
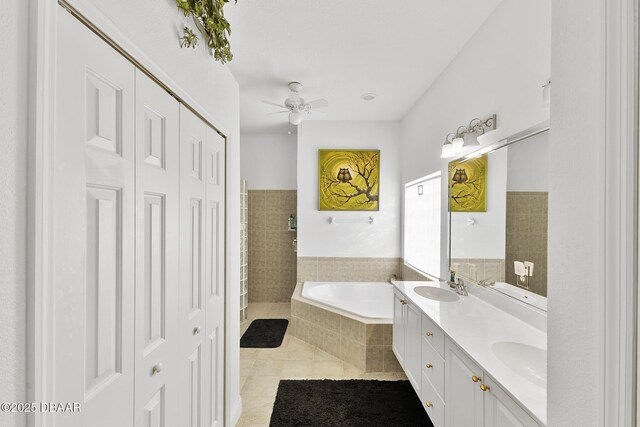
{"x":502,"y":411}
{"x":413,"y":345}
{"x":157,"y":240}
{"x":398,"y":327}
{"x":463,"y":396}
{"x":92,"y":239}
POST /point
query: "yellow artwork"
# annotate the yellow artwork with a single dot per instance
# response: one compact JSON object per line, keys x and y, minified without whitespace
{"x":349,"y":180}
{"x":468,"y":185}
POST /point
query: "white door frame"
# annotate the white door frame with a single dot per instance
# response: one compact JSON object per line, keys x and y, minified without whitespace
{"x":42,"y":56}
{"x":621,"y":209}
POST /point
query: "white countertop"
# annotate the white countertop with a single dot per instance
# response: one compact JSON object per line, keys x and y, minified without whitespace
{"x":475,"y":326}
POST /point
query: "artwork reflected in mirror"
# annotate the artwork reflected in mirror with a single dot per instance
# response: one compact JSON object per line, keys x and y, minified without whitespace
{"x":507,"y":241}
{"x":468,"y":185}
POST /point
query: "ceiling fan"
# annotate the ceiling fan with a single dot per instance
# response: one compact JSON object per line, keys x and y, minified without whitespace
{"x":296,"y":106}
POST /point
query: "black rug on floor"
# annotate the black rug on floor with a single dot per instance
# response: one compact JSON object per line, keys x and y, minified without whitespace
{"x":264,"y":333}
{"x":347,"y":403}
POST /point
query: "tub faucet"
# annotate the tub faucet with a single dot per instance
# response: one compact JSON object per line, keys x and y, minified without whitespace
{"x":392,"y":278}
{"x":461,"y":289}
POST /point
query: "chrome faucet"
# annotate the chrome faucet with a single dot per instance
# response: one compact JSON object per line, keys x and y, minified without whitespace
{"x":393,"y":278}
{"x":461,"y":289}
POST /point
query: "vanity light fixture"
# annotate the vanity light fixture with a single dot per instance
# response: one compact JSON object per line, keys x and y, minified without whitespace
{"x":448,"y":150}
{"x":467,"y":136}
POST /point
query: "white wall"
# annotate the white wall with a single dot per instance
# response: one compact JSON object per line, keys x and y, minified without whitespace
{"x":486,"y":238}
{"x":268,"y":161}
{"x":528,"y":164}
{"x":13,"y":181}
{"x":576,"y":270}
{"x":318,"y":238}
{"x":501,"y":70}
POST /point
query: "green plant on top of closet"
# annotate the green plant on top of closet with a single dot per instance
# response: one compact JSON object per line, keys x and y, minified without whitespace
{"x":208,"y":16}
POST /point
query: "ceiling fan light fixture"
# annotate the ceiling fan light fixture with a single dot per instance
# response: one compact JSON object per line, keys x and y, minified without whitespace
{"x":295,"y":117}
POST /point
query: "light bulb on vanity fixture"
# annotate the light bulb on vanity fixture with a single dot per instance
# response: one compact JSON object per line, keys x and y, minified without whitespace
{"x":467,"y":136}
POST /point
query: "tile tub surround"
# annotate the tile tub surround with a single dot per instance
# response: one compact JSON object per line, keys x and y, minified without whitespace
{"x":272,"y":260}
{"x":363,"y":343}
{"x":526,"y":236}
{"x":327,"y":269}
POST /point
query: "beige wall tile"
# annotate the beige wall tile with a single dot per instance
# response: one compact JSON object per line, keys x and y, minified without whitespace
{"x":272,"y":261}
{"x":390,"y":361}
{"x":374,"y":334}
{"x":374,"y":359}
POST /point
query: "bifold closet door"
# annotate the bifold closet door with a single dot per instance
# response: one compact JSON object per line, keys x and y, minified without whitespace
{"x":201,"y":272}
{"x":92,"y":245}
{"x":157,"y":244}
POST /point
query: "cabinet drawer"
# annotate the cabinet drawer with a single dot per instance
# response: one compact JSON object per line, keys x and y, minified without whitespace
{"x":432,"y":403}
{"x":433,"y":366}
{"x":433,"y":334}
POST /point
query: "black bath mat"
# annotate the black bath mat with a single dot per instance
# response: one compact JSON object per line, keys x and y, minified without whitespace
{"x":347,"y":403}
{"x":264,"y":333}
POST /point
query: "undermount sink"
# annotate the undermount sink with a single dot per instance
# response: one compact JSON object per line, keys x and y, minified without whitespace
{"x":525,"y":360}
{"x":436,"y":294}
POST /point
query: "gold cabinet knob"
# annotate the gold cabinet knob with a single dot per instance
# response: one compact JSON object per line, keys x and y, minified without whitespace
{"x":475,"y":379}
{"x":429,"y":365}
{"x":484,"y":387}
{"x":428,"y":404}
{"x":429,"y":334}
{"x":403,"y":301}
{"x":196,"y":330}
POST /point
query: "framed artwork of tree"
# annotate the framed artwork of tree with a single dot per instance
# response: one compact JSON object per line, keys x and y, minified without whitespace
{"x":468,"y":185}
{"x":349,"y":180}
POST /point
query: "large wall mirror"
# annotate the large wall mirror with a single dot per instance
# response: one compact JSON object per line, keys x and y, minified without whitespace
{"x":498,"y":202}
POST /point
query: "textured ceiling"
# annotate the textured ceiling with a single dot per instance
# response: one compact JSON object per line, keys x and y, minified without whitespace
{"x":342,"y":49}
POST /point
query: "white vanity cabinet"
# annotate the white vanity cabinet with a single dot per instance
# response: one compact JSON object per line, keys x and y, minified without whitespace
{"x":454,"y":390}
{"x":474,"y":399}
{"x":406,"y":338}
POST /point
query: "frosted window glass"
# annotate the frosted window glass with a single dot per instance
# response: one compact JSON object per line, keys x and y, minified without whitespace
{"x":422,"y":229}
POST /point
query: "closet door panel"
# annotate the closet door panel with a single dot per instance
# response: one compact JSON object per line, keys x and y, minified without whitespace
{"x":93,"y":228}
{"x":157,"y":243}
{"x":214,"y":291}
{"x":192,"y":323}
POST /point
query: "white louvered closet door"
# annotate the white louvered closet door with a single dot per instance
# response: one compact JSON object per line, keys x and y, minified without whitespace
{"x":157,"y":244}
{"x":92,"y":245}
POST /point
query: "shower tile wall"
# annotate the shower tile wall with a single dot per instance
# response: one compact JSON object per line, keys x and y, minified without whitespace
{"x":272,"y":260}
{"x":348,"y":269}
{"x":526,"y":238}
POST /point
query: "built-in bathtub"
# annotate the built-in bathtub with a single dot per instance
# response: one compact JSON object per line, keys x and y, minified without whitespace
{"x":350,"y":320}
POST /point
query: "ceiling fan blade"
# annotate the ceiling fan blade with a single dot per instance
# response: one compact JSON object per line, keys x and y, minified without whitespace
{"x":278,"y":112}
{"x":273,"y":103}
{"x":318,"y":103}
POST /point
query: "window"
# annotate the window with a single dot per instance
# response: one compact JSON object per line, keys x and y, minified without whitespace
{"x":422,"y":219}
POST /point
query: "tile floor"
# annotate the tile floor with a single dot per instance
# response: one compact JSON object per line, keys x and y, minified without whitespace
{"x":262,"y":369}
